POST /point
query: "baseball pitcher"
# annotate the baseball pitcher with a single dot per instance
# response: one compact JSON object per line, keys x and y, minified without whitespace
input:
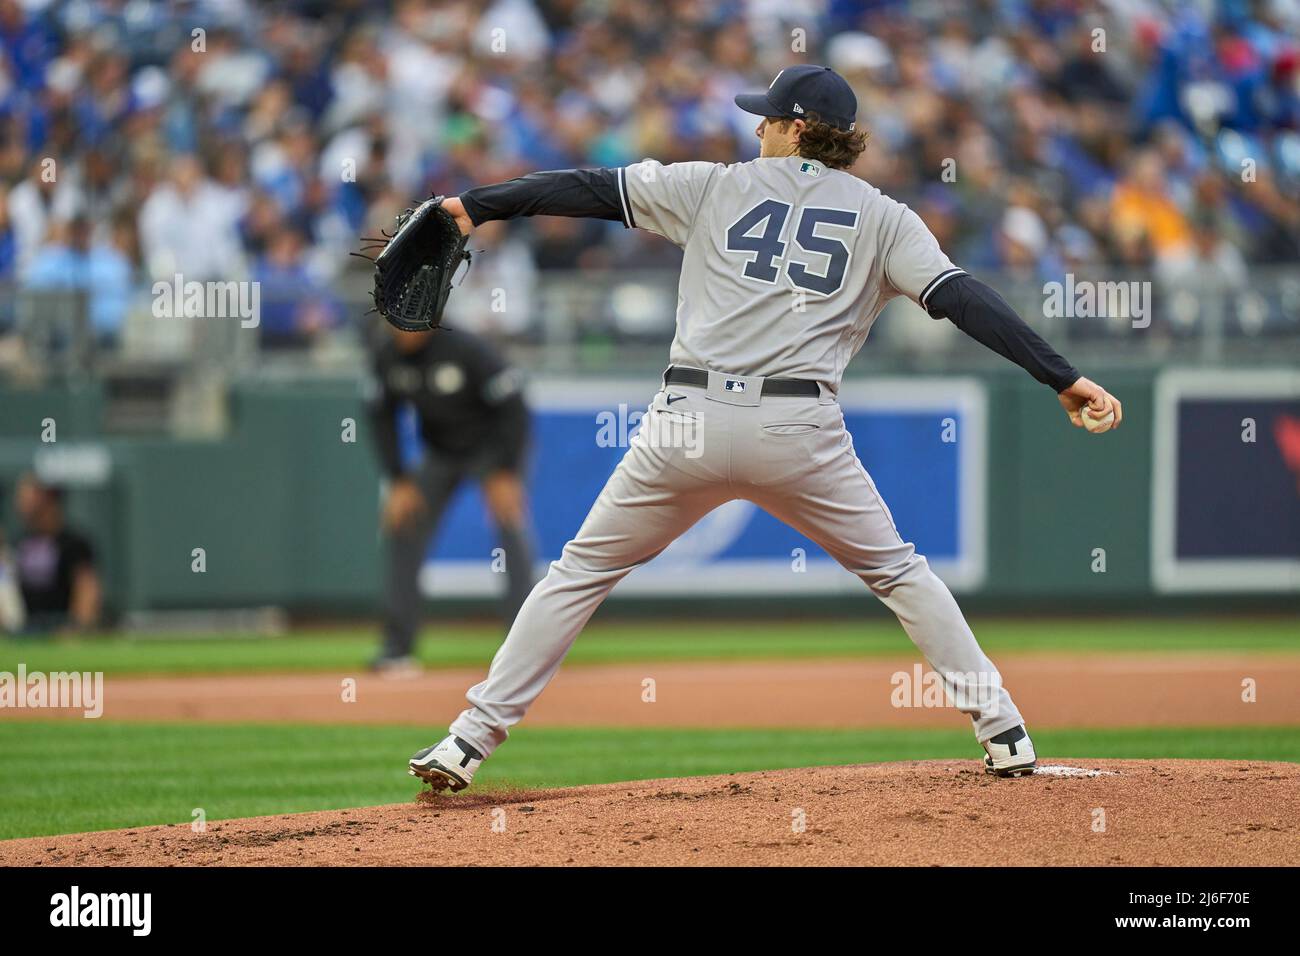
{"x":788,"y":261}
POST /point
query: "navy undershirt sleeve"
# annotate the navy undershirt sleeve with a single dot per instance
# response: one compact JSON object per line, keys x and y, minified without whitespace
{"x":986,"y":317}
{"x":579,"y":193}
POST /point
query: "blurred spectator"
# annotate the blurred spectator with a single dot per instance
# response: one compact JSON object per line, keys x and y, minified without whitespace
{"x":325,"y":119}
{"x":71,"y":261}
{"x":296,"y":305}
{"x":37,"y":203}
{"x":1213,"y":264}
{"x":1143,"y":212}
{"x":1023,"y":247}
{"x":56,"y":565}
{"x":8,"y":242}
{"x":188,"y":227}
{"x":13,"y":615}
{"x":494,"y":297}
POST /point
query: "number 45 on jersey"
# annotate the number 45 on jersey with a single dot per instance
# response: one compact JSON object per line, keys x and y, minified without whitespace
{"x":758,"y":233}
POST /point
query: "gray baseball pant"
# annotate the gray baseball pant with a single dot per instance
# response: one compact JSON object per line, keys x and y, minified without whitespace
{"x":793,"y":457}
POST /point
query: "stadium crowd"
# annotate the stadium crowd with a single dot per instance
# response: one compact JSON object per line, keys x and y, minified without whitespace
{"x":227,"y":139}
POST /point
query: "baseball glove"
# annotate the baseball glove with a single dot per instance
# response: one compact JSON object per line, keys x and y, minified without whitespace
{"x":413,"y":272}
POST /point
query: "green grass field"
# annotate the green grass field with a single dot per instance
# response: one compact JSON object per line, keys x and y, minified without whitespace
{"x":473,"y":645}
{"x":72,"y":776}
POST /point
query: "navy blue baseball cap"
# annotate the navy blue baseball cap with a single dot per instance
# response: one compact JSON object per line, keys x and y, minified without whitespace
{"x":799,"y":90}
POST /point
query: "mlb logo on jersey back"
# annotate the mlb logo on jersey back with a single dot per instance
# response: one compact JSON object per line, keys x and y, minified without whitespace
{"x":809,"y":169}
{"x":733,"y":385}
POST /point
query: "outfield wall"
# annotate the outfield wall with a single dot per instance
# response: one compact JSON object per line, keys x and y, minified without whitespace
{"x":1015,"y":507}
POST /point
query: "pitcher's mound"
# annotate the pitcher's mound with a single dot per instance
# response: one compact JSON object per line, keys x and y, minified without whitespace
{"x":1121,"y":812}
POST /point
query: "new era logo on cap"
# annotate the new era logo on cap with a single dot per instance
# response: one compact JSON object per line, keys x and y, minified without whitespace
{"x":799,"y":90}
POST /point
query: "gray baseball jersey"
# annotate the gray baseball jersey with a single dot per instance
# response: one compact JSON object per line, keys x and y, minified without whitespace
{"x":787,"y":262}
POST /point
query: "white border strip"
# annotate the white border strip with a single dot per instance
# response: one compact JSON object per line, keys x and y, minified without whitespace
{"x":623,"y":197}
{"x":936,"y":282}
{"x":821,"y":577}
{"x":1169,"y":573}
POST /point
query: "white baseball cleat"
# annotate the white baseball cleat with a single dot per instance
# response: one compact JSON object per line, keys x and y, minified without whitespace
{"x":448,"y":764}
{"x":1010,"y":754}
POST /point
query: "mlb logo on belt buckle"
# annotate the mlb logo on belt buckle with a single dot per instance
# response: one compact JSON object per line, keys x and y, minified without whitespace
{"x":732,"y":388}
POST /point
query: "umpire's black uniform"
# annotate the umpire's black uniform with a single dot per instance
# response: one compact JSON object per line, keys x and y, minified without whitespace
{"x":473,"y":421}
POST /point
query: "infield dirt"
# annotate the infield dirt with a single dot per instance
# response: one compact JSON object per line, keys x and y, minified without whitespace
{"x":1133,"y":690}
{"x":1114,"y":812}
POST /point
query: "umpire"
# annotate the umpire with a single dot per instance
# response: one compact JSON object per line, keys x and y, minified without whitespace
{"x":474,"y":424}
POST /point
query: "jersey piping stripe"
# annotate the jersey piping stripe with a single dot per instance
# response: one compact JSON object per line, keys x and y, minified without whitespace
{"x":622,"y":198}
{"x":939,"y":280}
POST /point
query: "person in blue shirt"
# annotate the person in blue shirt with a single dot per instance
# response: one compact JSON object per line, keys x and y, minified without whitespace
{"x":72,"y":262}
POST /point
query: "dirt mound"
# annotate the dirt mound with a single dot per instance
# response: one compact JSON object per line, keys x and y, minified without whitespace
{"x":1126,"y":812}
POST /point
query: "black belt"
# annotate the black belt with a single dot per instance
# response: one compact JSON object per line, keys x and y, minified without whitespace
{"x":676,"y":375}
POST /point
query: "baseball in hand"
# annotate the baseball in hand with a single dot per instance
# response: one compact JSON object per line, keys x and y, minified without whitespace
{"x":1096,"y":425}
